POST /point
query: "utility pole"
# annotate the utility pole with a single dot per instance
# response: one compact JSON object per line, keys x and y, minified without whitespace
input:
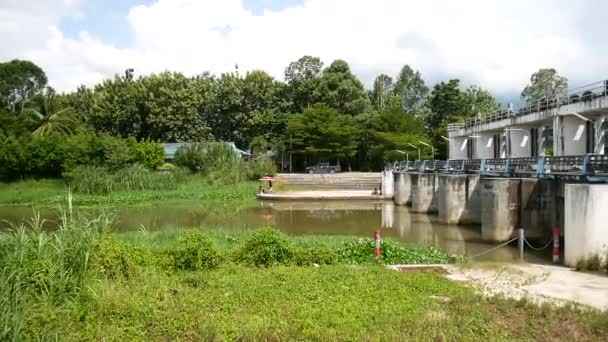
{"x":290,"y":154}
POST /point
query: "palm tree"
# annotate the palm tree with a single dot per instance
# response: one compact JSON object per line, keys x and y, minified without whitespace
{"x":49,"y":118}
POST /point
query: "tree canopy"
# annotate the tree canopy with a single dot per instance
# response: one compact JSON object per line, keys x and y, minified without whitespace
{"x":323,"y":133}
{"x":545,"y":83}
{"x":20,"y":80}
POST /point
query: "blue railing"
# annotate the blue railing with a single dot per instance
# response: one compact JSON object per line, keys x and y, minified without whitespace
{"x":589,"y":165}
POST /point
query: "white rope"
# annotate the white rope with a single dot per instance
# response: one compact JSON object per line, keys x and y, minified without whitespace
{"x":493,"y":249}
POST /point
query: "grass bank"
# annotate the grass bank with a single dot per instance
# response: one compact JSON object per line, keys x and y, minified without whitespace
{"x":82,"y":282}
{"x":53,"y":192}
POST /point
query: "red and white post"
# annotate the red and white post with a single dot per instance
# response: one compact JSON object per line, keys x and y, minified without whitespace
{"x":378,"y":243}
{"x":556,"y":245}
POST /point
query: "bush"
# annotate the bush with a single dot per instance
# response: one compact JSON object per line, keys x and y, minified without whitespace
{"x":118,"y":259}
{"x":266,"y":247}
{"x":194,"y":251}
{"x":147,"y":153}
{"x":314,"y":253}
{"x":190,"y":156}
{"x":592,"y":263}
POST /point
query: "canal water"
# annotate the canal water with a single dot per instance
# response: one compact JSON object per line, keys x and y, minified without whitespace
{"x":354,"y":218}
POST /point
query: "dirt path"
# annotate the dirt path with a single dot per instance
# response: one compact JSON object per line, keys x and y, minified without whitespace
{"x":539,"y":283}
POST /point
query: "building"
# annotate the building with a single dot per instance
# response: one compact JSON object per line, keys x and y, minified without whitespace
{"x":171,"y":148}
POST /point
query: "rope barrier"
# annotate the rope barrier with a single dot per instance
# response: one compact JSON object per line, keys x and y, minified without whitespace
{"x":539,"y":249}
{"x":494,"y":248}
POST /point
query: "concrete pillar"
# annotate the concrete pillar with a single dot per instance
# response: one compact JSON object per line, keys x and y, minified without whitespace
{"x":459,"y":199}
{"x":458,"y":148}
{"x":424,"y":194}
{"x":500,"y":208}
{"x":403,"y":188}
{"x":585,"y":227}
{"x":388,"y":184}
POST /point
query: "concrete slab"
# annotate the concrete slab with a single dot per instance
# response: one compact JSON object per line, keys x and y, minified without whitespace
{"x":320,"y":195}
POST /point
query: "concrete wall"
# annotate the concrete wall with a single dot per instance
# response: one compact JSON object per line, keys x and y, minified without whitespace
{"x":484,"y":146}
{"x":520,"y":143}
{"x":586,"y":217}
{"x":571,"y":136}
{"x":458,"y":148}
{"x":459,"y":199}
{"x":403,"y":189}
{"x":424,"y":192}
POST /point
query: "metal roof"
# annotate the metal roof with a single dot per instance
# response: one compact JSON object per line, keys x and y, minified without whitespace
{"x":171,"y":148}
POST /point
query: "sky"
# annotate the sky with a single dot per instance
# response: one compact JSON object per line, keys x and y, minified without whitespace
{"x":491,"y":43}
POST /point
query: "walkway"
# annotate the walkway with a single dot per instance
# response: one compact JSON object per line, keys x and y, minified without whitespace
{"x":320,"y":195}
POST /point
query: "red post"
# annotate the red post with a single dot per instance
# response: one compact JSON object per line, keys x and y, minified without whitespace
{"x":377,"y":240}
{"x":556,"y":246}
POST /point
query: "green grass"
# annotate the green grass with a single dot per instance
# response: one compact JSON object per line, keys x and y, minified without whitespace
{"x":195,"y":188}
{"x":307,"y":303}
{"x":84,"y":283}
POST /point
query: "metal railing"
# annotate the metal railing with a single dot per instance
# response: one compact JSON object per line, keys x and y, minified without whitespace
{"x":589,"y":165}
{"x":574,"y":95}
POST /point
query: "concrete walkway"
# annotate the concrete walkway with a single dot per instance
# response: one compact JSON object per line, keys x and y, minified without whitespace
{"x":320,"y":195}
{"x":539,"y":283}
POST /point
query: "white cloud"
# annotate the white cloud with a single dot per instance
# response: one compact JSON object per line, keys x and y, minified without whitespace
{"x":497,"y":44}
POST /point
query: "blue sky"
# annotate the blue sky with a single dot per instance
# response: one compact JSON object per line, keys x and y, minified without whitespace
{"x":107,"y":19}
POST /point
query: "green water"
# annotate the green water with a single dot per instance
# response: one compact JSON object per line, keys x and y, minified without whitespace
{"x":355,"y":218}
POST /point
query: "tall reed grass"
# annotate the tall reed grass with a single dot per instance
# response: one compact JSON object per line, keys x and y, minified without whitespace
{"x":101,"y":181}
{"x":43,"y":274}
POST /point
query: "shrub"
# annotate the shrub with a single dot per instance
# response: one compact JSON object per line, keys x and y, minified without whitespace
{"x":314,"y":253}
{"x":194,"y":251}
{"x":592,"y":263}
{"x":190,"y":156}
{"x":147,"y":153}
{"x":118,"y":259}
{"x":260,"y":167}
{"x":266,"y":247}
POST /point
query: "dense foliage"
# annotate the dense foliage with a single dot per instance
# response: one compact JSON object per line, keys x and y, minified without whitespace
{"x":51,"y":155}
{"x":319,"y":113}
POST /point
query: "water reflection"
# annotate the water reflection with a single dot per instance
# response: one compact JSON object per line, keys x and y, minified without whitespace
{"x":357,"y":218}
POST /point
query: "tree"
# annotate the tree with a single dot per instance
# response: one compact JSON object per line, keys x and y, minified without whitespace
{"x":391,"y":130}
{"x":545,"y":83}
{"x":447,"y":102}
{"x":20,"y":80}
{"x":322,"y":132}
{"x":480,"y":101}
{"x":49,"y":117}
{"x":303,"y":77}
{"x":340,"y":89}
{"x":411,"y":89}
{"x":382,"y":89}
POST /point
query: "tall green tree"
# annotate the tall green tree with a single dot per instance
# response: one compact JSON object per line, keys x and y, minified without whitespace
{"x":393,"y":130}
{"x":303,"y":78}
{"x":411,"y":89}
{"x":381,"y":91}
{"x":545,"y":83}
{"x":322,"y":133}
{"x":480,"y":101}
{"x":446,"y":102}
{"x":20,"y":80}
{"x":340,"y":89}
